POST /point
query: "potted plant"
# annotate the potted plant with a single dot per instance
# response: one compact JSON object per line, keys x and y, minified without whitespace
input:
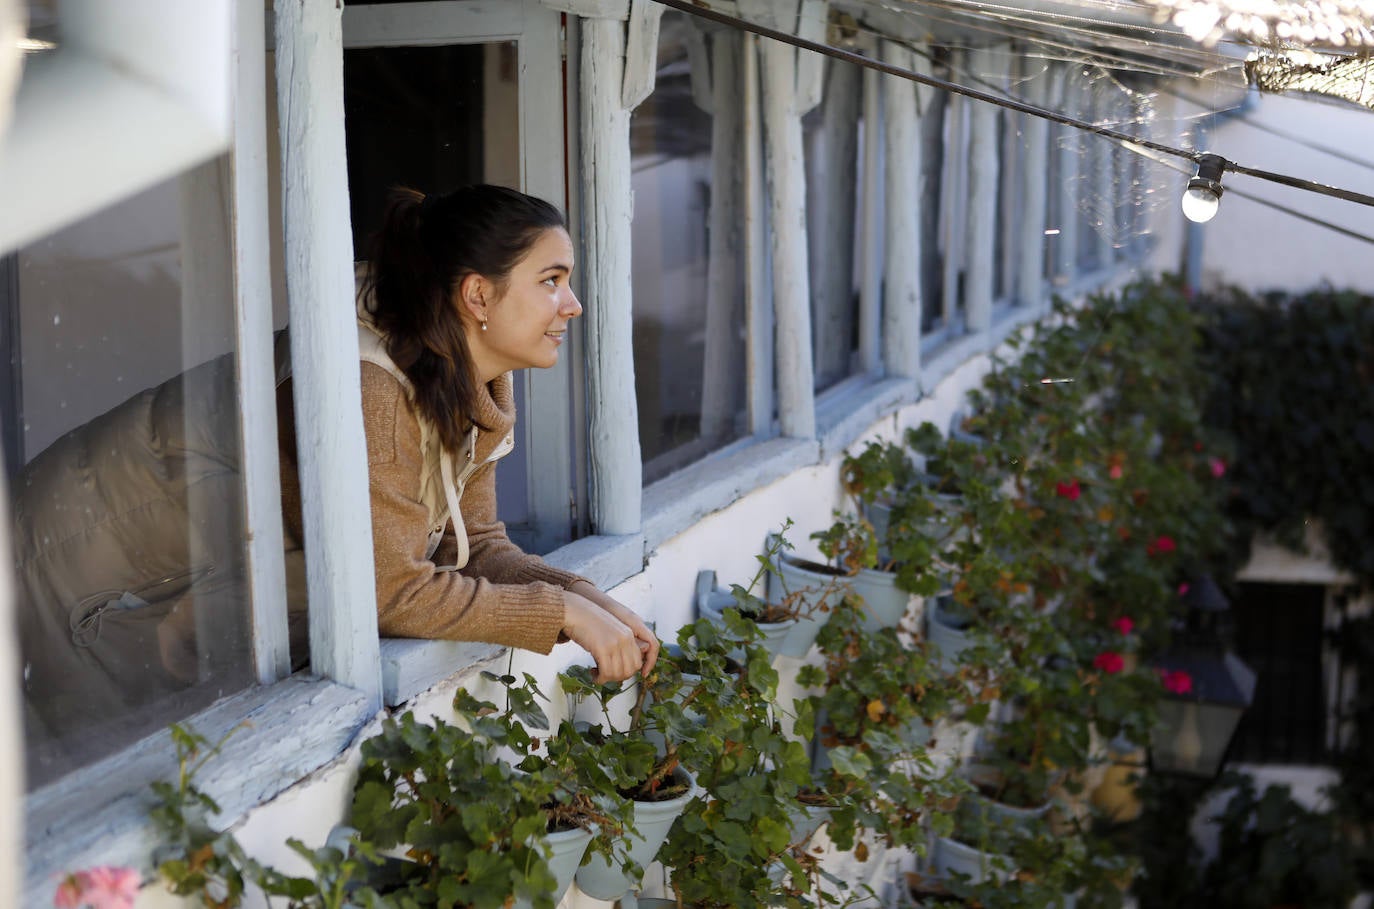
{"x":786,"y":620}
{"x":641,"y":758}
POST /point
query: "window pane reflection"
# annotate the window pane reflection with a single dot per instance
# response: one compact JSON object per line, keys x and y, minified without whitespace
{"x":688,"y":284}
{"x":122,"y":445}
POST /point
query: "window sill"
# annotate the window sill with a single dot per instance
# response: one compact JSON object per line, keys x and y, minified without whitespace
{"x":846,"y":412}
{"x":99,"y":814}
{"x":675,"y":503}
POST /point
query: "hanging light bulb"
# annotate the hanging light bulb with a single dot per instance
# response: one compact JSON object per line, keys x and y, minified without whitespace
{"x":1203,"y":196}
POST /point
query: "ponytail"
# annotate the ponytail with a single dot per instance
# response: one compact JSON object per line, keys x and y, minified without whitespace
{"x":425,"y":248}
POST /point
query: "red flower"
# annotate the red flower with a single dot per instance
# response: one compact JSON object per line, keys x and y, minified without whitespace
{"x":1069,"y":490}
{"x":1124,"y":625}
{"x":1114,"y":471}
{"x":1176,"y":681}
{"x":1183,"y":589}
{"x":1162,"y":544}
{"x":1218,"y":467}
{"x":1110,"y":662}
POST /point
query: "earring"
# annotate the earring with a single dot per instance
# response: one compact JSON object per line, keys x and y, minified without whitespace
{"x":484,"y":325}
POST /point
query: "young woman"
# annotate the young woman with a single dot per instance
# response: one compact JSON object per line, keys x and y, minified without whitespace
{"x":461,"y":289}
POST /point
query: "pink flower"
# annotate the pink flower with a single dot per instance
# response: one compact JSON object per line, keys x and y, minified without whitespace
{"x":1069,"y":490}
{"x":1176,"y":681}
{"x":105,"y":887}
{"x":1124,"y":625}
{"x":1183,"y":589}
{"x":1218,"y":467}
{"x":1114,"y":471}
{"x":1109,"y":661}
{"x":1162,"y":544}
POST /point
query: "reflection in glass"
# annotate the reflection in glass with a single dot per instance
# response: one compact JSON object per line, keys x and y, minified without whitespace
{"x":687,"y":253}
{"x":121,"y":439}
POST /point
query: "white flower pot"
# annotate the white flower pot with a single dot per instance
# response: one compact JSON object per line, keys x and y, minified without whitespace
{"x":567,"y":847}
{"x":712,"y":602}
{"x":652,"y":820}
{"x":951,"y":857}
{"x":949,"y":638}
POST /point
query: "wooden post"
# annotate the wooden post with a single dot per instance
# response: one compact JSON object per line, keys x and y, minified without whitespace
{"x":832,"y":160}
{"x":874,"y":234}
{"x":1030,"y":265}
{"x":757,"y":296}
{"x":1104,"y":178}
{"x":1067,"y":149}
{"x":791,"y":287}
{"x":324,"y":346}
{"x":723,"y":375}
{"x":615,"y":467}
{"x":902,"y":272}
{"x":980,"y":241}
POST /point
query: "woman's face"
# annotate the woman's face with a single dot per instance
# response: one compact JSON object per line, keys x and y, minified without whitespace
{"x":529,"y":321}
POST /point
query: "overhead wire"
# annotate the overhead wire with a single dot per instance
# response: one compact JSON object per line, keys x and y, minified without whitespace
{"x":706,"y":12}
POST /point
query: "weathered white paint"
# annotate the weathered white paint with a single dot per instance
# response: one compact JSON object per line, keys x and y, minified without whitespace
{"x":139,"y":91}
{"x":641,"y":52}
{"x":615,"y":469}
{"x":1030,"y":236}
{"x":811,"y":66}
{"x":1064,"y":246}
{"x":787,"y":217}
{"x":591,"y":9}
{"x":873,"y":229}
{"x":1275,"y":564}
{"x":699,"y":62}
{"x":324,"y":346}
{"x":981,"y":225}
{"x":954,"y":199}
{"x":100,"y":816}
{"x":757,"y":305}
{"x":253,"y":290}
{"x":723,"y":367}
{"x":1104,"y":175}
{"x":12,"y":28}
{"x":832,"y":159}
{"x":902,"y":263}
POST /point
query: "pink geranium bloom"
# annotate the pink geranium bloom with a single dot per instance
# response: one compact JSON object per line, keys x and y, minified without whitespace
{"x":1109,"y":661}
{"x":1183,"y":589}
{"x":1069,"y":490}
{"x":1218,"y":467}
{"x":1176,"y":681}
{"x":105,"y":887}
{"x":1162,"y":544}
{"x":1124,"y":625}
{"x":1114,"y":471}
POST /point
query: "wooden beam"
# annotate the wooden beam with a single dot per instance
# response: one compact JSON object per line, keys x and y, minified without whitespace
{"x":641,"y":52}
{"x":591,"y":9}
{"x":811,"y":66}
{"x":723,"y":370}
{"x":615,"y":471}
{"x":873,"y":230}
{"x":324,"y":346}
{"x":901,"y":275}
{"x":1104,"y":177}
{"x":787,"y":197}
{"x":757,"y":299}
{"x":1030,"y":247}
{"x":987,"y":63}
{"x":832,"y":159}
{"x":1064,"y":244}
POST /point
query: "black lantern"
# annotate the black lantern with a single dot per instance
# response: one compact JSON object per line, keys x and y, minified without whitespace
{"x":1207,"y":688}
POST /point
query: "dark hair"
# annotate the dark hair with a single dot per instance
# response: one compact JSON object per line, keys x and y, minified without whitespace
{"x":426,"y":246}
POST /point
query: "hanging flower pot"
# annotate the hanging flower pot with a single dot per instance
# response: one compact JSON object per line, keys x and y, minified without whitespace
{"x":567,"y":848}
{"x":949,"y":631}
{"x":652,"y":820}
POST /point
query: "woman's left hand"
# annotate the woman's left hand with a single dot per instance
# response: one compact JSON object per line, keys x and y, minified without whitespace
{"x":648,"y":641}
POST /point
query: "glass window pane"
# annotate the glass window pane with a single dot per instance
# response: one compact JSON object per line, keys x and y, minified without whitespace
{"x":128,"y":503}
{"x":688,"y":306}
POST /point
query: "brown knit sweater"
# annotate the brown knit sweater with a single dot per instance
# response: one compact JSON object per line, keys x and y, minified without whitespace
{"x":503,"y":595}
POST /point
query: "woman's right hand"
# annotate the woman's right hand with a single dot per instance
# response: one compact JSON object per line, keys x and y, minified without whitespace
{"x":611,"y":643}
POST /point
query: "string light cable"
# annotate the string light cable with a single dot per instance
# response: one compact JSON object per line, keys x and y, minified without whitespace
{"x":693,"y":7}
